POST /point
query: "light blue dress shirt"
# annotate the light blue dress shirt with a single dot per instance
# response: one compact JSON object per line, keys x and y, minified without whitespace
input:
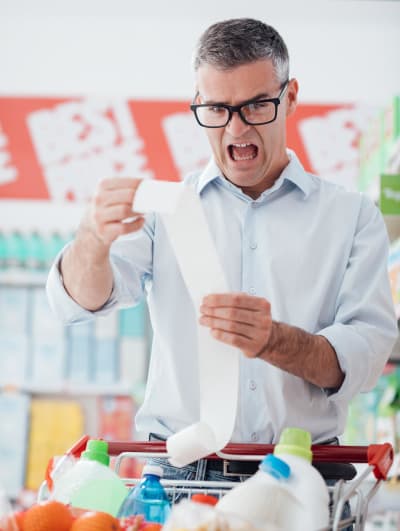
{"x":317,"y":252}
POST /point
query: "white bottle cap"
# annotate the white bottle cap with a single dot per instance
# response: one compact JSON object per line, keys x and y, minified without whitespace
{"x":154,"y":470}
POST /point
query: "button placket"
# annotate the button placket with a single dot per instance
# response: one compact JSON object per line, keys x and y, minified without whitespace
{"x":249,"y":278}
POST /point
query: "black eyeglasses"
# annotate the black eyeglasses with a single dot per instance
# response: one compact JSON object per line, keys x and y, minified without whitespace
{"x":253,"y":112}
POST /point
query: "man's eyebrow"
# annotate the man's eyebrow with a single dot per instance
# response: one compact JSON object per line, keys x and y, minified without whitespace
{"x":260,"y":96}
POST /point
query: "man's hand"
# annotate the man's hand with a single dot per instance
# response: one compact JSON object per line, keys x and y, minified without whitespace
{"x":110,"y":213}
{"x":85,"y":266}
{"x":245,"y":322}
{"x":238,"y":319}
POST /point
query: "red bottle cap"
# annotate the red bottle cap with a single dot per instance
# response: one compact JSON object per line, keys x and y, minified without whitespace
{"x":204,"y":498}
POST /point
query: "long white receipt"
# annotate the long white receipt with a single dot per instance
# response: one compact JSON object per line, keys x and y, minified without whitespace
{"x":181,"y":211}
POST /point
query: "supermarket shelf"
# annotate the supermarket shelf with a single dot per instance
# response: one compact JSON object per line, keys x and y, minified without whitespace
{"x":121,"y":389}
{"x":16,"y":277}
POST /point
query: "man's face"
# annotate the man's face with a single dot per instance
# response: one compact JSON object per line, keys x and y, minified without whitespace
{"x":251,"y":157}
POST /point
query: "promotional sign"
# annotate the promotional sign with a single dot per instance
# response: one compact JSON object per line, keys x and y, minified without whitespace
{"x":58,"y":148}
{"x":389,"y":201}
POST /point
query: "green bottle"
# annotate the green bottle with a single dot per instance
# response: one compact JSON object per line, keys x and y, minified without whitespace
{"x":16,"y":250}
{"x":54,"y":244}
{"x":91,"y":484}
{"x":3,"y":251}
{"x":36,"y":253}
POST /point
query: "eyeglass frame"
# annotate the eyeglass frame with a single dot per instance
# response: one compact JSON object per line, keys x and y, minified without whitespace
{"x":238,"y":108}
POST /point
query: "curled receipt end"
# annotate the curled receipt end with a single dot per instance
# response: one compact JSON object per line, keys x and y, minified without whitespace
{"x":190,"y":444}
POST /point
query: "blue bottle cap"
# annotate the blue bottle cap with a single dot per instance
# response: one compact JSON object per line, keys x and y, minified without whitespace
{"x":275,"y":466}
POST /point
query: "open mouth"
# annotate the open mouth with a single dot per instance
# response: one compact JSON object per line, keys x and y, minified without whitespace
{"x":244,"y":151}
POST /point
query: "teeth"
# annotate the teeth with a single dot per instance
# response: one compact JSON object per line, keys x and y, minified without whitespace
{"x":243,"y":158}
{"x":241,"y":145}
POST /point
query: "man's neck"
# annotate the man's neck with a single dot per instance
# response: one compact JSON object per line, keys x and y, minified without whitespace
{"x":268,"y":182}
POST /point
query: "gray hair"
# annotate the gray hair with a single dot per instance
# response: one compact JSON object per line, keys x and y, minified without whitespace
{"x":238,"y":41}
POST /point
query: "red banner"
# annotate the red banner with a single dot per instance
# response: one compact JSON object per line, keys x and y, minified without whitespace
{"x":57,"y":149}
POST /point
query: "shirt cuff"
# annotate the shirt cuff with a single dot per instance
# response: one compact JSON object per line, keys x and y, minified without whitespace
{"x":66,"y":308}
{"x":360,"y":366}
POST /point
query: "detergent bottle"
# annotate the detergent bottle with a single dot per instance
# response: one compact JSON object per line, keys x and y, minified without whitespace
{"x":305,"y":482}
{"x":264,"y":499}
{"x":91,"y":484}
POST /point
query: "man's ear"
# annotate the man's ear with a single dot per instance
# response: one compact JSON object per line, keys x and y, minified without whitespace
{"x":291,"y":94}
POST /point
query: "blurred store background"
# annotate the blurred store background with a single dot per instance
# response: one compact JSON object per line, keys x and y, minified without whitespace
{"x":90,"y":89}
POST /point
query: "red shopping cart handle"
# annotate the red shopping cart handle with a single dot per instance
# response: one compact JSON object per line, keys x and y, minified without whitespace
{"x":380,"y":456}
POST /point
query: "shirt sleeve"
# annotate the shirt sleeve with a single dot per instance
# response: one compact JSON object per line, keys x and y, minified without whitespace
{"x":365,"y":328}
{"x":130,"y":259}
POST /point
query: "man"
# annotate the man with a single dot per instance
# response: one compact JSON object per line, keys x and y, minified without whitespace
{"x":309,"y":303}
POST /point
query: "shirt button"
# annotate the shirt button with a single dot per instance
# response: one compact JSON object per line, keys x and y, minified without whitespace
{"x":254,"y":436}
{"x":253,"y":246}
{"x":253,"y":205}
{"x":252,"y":385}
{"x":252,"y":291}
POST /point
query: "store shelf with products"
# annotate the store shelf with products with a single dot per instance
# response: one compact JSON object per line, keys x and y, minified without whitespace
{"x":58,"y":382}
{"x":35,"y":428}
{"x":374,"y":416}
{"x":108,"y":355}
{"x":379,"y":177}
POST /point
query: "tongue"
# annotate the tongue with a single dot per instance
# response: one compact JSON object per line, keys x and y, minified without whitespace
{"x":240,"y":153}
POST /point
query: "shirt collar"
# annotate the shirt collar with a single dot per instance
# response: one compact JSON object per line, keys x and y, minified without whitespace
{"x":293,"y":172}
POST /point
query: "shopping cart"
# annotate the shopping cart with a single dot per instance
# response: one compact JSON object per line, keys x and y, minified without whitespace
{"x":378,"y":459}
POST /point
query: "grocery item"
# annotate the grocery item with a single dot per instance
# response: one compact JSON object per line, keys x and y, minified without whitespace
{"x":96,"y":521}
{"x":132,"y":523}
{"x":193,"y":516}
{"x":148,"y":498}
{"x":91,"y":484}
{"x":204,"y":498}
{"x":305,"y":482}
{"x":48,"y":516}
{"x":7,"y":519}
{"x":264,"y":499}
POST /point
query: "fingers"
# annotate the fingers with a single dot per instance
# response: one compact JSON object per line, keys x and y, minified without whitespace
{"x":116,"y":213}
{"x":111,"y":231}
{"x":236,"y":300}
{"x":224,"y":325}
{"x":111,"y":209}
{"x":249,"y":316}
{"x":116,"y":197}
{"x":116,"y":183}
{"x":116,"y":191}
{"x":236,"y":307}
{"x":238,"y":319}
{"x":235,"y":340}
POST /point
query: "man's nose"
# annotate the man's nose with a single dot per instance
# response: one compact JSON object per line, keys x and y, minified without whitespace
{"x":236,"y":126}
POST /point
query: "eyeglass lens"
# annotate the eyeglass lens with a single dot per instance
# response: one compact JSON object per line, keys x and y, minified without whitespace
{"x":257,"y":112}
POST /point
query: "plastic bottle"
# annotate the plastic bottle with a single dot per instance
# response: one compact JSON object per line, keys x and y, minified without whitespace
{"x":7,"y":520}
{"x":36,"y":256}
{"x":53,"y":246}
{"x":3,"y":251}
{"x":91,"y":484}
{"x":305,"y":482}
{"x":16,"y":250}
{"x":148,"y":497}
{"x":207,"y":499}
{"x":264,"y":499}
